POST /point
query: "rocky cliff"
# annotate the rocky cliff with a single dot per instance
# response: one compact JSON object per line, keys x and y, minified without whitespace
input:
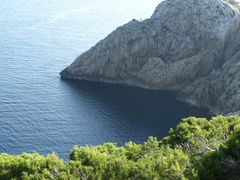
{"x":190,"y":46}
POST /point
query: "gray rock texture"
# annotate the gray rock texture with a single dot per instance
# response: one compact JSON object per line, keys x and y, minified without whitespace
{"x":190,"y":46}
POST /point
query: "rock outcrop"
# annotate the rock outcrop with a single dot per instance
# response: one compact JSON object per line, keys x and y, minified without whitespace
{"x":190,"y":46}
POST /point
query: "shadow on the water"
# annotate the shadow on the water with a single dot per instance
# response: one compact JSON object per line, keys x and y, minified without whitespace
{"x":152,"y":111}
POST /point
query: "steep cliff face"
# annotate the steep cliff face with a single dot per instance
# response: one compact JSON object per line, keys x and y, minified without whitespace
{"x":220,"y":89}
{"x":191,"y":46}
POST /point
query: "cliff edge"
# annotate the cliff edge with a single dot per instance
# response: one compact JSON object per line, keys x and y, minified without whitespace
{"x":190,"y":46}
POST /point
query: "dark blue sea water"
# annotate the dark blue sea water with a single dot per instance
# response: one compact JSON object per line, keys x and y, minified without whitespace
{"x":40,"y":112}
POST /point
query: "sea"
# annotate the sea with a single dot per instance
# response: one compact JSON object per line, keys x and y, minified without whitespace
{"x":39,"y":112}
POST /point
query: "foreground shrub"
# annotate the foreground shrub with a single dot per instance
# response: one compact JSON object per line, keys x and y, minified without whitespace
{"x":198,"y":136}
{"x":30,"y":166}
{"x":225,"y":162}
{"x":132,"y":161}
{"x":196,"y":149}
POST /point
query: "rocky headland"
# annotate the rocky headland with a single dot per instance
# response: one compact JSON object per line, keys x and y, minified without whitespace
{"x":189,"y":46}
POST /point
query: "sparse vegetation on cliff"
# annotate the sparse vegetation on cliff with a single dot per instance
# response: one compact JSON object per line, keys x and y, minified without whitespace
{"x":196,"y":149}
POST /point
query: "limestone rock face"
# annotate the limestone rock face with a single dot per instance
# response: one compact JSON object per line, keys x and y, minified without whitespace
{"x":191,"y":46}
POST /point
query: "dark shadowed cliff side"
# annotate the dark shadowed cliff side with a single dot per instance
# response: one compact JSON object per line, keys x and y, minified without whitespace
{"x":191,"y":46}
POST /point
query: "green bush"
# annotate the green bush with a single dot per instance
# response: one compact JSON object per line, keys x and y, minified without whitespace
{"x":30,"y":166}
{"x":198,"y":136}
{"x":132,"y":161}
{"x":225,"y":162}
{"x":196,"y":149}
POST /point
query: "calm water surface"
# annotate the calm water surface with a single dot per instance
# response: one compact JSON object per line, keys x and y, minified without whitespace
{"x":39,"y":112}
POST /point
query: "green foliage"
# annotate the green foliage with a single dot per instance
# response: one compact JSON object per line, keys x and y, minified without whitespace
{"x":225,"y":162}
{"x":198,"y":136}
{"x":132,"y":161}
{"x":196,"y":149}
{"x":30,"y":166}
